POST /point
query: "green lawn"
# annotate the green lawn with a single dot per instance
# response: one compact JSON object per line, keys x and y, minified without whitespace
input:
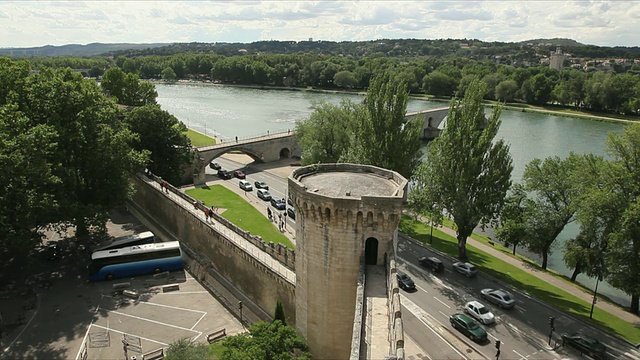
{"x":520,"y":279}
{"x":237,"y":210}
{"x":198,"y":139}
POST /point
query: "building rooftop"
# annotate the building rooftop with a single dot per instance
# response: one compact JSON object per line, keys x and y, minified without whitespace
{"x":350,"y":181}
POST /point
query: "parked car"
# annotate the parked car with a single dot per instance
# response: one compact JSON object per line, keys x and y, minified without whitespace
{"x":432,"y":263}
{"x":261,"y":185}
{"x":239,"y":174}
{"x":499,"y":297}
{"x":585,"y":344}
{"x":215,"y":166}
{"x":278,"y":203}
{"x":468,"y":327}
{"x":405,"y":282}
{"x":245,"y":185}
{"x":289,"y":201}
{"x":224,"y":174}
{"x":291,"y":212}
{"x":52,"y":251}
{"x":264,"y":194}
{"x":480,"y":312}
{"x":465,"y":268}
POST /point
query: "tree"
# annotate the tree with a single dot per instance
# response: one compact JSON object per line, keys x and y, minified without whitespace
{"x":279,"y":315}
{"x":439,"y":84}
{"x":512,"y":222}
{"x":506,"y":90}
{"x":551,"y":184}
{"x":266,"y":340}
{"x":162,"y":136}
{"x":345,"y":79}
{"x":127,"y":88}
{"x":168,"y":74}
{"x":186,"y":349}
{"x":324,"y":136}
{"x":381,"y":136}
{"x":94,"y":157}
{"x":468,"y":171}
{"x":623,"y":186}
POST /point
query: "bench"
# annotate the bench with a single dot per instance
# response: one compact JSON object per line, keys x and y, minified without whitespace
{"x":154,"y":355}
{"x":174,"y":287}
{"x":217,"y":335}
{"x":130,"y":294}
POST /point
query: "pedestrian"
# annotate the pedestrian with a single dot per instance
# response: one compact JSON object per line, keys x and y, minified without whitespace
{"x":288,"y":131}
{"x":236,"y":139}
{"x":269,"y":213}
{"x":213,"y":209}
{"x":195,"y":204}
{"x":267,"y":132}
{"x":165,"y":186}
{"x":207,"y":214}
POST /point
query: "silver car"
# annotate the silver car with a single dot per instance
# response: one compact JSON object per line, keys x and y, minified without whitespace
{"x":465,"y":268}
{"x":498,"y":297}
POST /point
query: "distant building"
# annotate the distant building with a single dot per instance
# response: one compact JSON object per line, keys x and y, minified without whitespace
{"x":556,"y":61}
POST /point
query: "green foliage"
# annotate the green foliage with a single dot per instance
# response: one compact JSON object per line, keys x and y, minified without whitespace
{"x":185,"y":349}
{"x":168,"y":74}
{"x":506,"y":90}
{"x":66,"y":156}
{"x":268,"y":341}
{"x":345,"y":79}
{"x":162,"y":137}
{"x":439,"y":84}
{"x":279,"y":314}
{"x":373,"y":133}
{"x":127,"y":88}
{"x":468,"y":172}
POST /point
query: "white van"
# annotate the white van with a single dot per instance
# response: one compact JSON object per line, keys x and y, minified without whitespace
{"x":245,"y":185}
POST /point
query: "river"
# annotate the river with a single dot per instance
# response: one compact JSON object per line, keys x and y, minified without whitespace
{"x":227,"y":112}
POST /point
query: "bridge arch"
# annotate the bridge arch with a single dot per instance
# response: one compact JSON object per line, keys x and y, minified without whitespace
{"x":285,"y":153}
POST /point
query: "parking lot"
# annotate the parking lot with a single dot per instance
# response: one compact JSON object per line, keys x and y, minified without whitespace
{"x":71,"y":318}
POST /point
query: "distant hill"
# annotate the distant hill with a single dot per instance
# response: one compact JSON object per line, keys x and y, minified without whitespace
{"x":553,"y":42}
{"x":76,"y":49}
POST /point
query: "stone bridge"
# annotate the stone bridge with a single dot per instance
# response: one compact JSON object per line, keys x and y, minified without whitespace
{"x":271,"y":147}
{"x":432,"y":120}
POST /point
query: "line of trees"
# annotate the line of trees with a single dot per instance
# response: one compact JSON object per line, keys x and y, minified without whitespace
{"x":604,"y":91}
{"x":68,"y":150}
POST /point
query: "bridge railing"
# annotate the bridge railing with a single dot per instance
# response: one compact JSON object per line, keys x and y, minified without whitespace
{"x":247,"y":139}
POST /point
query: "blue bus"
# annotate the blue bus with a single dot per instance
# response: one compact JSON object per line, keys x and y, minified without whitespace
{"x":143,"y":238}
{"x":135,"y":260}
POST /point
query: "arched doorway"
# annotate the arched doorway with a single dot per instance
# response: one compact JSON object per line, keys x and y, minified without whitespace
{"x":371,"y":251}
{"x":285,"y":153}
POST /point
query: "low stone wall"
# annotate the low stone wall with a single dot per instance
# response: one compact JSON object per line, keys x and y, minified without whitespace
{"x":248,"y":274}
{"x":359,"y":316}
{"x":396,"y":329}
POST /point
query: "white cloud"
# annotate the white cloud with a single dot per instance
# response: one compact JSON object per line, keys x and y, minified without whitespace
{"x":37,"y":23}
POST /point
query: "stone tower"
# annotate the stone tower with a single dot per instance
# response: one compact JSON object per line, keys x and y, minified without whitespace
{"x":347,"y":215}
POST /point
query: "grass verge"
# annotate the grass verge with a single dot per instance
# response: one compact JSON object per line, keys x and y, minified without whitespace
{"x":521,"y":279}
{"x":240,"y":212}
{"x":199,"y":139}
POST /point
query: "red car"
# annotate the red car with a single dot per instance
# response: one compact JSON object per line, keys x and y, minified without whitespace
{"x":239,"y":174}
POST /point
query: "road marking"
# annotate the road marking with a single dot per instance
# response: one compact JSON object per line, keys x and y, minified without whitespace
{"x":421,"y":315}
{"x":438,"y":300}
{"x":26,"y":326}
{"x":421,"y":289}
{"x":171,"y":307}
{"x":183,"y":292}
{"x":443,"y":314}
{"x":124,"y":333}
{"x":197,"y":322}
{"x":521,"y":356}
{"x":153,"y":321}
{"x":520,"y":309}
{"x":84,"y":340}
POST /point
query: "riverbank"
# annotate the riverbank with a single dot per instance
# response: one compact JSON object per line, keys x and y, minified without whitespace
{"x":509,"y":106}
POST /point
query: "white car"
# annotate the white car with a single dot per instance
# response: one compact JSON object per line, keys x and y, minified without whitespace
{"x":480,"y":312}
{"x":245,"y":185}
{"x":465,"y":268}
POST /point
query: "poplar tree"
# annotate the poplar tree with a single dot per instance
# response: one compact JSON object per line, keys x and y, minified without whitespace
{"x":468,"y":171}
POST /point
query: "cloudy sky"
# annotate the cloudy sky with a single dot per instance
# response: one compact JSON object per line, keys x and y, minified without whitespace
{"x":36,"y":23}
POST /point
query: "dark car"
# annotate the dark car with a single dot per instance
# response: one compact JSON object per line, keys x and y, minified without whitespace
{"x":278,"y":203}
{"x":585,"y":344}
{"x":432,"y":263}
{"x":215,"y":166}
{"x":291,"y":212}
{"x":261,"y":185}
{"x":405,"y":282}
{"x":239,"y":174}
{"x":468,"y":327}
{"x":224,"y":174}
{"x":52,"y":251}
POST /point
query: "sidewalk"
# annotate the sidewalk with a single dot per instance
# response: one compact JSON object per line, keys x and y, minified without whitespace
{"x":550,"y":279}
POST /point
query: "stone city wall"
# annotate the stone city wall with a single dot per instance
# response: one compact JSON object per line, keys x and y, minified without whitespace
{"x":396,"y":330}
{"x":247,"y":273}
